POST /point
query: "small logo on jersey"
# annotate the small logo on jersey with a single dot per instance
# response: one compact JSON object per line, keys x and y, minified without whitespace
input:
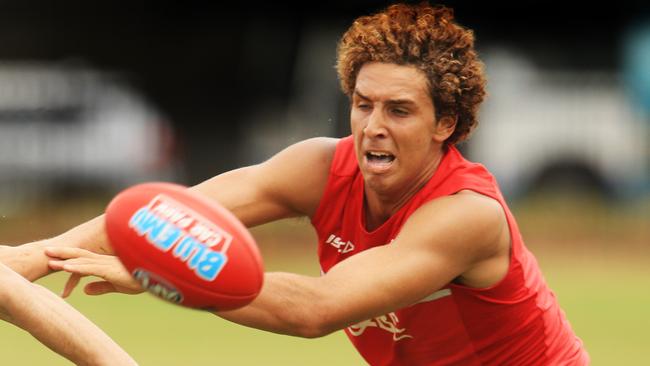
{"x":340,"y":245}
{"x":386,"y":322}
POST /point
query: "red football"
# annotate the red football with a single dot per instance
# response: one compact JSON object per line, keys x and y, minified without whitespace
{"x":184,"y":247}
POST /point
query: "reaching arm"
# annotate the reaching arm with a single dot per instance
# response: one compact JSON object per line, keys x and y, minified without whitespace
{"x":30,"y":261}
{"x":462,"y":237}
{"x":255,"y":194}
{"x":55,"y":323}
{"x":269,"y":191}
{"x":458,"y":238}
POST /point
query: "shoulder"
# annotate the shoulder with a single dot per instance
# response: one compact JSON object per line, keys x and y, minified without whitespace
{"x":288,"y":184}
{"x":315,"y":155}
{"x":316,"y":150}
{"x":458,"y":173}
{"x":298,"y":174}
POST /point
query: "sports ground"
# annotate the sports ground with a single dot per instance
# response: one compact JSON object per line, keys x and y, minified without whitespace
{"x":594,"y":254}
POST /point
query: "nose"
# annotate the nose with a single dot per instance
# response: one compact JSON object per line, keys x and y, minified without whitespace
{"x":375,"y":128}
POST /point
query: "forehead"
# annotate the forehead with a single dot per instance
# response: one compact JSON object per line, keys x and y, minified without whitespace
{"x":383,"y":81}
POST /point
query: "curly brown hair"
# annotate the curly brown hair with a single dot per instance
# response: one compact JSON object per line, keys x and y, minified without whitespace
{"x":426,"y":37}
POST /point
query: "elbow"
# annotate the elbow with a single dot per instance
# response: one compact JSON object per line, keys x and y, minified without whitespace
{"x":313,"y":331}
{"x":318,"y":322}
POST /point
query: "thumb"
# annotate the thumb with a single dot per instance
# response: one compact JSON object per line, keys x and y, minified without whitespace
{"x":99,"y":288}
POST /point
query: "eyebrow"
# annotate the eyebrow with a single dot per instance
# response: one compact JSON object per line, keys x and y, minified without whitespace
{"x":357,"y":93}
{"x":390,"y":101}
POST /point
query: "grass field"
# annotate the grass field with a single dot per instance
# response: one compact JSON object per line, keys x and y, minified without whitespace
{"x":594,"y":257}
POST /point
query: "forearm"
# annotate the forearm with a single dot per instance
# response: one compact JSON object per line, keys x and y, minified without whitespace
{"x":56,"y":324}
{"x":288,"y":304}
{"x":30,"y":261}
{"x":361,"y":287}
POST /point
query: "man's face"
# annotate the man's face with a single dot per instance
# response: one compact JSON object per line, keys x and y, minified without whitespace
{"x":394,"y":127}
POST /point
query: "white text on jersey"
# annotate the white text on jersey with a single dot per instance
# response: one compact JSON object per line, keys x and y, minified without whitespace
{"x":341,"y":245}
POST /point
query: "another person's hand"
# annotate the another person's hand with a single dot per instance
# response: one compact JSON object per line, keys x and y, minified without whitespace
{"x":81,"y":262}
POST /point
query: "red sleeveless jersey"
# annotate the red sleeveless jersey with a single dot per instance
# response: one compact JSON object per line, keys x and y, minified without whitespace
{"x":515,"y":322}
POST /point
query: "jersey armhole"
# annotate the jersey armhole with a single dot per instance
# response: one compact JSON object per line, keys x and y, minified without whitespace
{"x":337,"y":166}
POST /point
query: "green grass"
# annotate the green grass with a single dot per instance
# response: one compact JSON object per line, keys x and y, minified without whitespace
{"x":157,"y":333}
{"x":595,"y":259}
{"x":608,"y":305}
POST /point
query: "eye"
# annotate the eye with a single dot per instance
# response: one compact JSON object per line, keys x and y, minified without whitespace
{"x":364,"y":106}
{"x":401,"y":112}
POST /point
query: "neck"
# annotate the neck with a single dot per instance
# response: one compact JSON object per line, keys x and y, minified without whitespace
{"x":381,"y":205}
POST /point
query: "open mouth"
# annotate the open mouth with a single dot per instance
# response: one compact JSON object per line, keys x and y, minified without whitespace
{"x":377,"y":158}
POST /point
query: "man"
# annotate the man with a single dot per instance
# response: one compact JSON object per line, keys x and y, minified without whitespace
{"x":422,"y":261}
{"x":55,"y":323}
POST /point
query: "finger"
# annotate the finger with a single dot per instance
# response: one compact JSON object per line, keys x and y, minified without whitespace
{"x":99,"y":288}
{"x":87,"y":269}
{"x":55,"y":265}
{"x":58,"y":264}
{"x":67,"y":252}
{"x":72,"y":282}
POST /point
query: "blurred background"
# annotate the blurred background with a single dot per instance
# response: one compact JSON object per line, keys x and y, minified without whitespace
{"x":97,"y":96}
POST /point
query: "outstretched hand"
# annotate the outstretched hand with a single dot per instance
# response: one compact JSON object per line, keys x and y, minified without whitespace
{"x":81,"y":262}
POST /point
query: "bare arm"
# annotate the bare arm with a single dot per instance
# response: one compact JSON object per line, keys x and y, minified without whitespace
{"x":462,"y":236}
{"x":255,"y":194}
{"x":30,"y":261}
{"x":55,"y":323}
{"x":287,"y":185}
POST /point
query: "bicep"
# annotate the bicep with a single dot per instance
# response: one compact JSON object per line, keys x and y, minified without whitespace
{"x":289,"y":184}
{"x":431,"y":250}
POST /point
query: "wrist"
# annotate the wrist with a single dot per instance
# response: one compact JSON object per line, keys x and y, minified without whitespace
{"x":28,"y":260}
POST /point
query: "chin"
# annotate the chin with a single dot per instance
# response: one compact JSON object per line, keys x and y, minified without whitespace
{"x":377,"y":183}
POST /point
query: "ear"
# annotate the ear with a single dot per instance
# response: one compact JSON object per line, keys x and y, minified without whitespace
{"x":443,"y":128}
